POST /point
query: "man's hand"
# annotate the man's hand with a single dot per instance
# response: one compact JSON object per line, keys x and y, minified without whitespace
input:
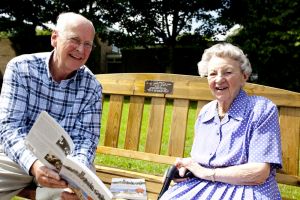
{"x":69,"y":194}
{"x":46,"y":177}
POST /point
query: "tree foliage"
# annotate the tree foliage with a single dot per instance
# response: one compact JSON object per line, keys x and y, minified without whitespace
{"x":149,"y":22}
{"x":270,"y":33}
{"x":141,"y":22}
{"x":271,"y":37}
{"x":21,"y":17}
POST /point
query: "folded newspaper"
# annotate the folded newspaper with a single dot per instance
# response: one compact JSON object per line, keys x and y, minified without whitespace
{"x":53,"y":147}
{"x":129,"y":188}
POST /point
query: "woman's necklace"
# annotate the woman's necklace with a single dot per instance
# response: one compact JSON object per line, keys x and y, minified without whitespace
{"x":220,"y":113}
{"x":221,"y":116}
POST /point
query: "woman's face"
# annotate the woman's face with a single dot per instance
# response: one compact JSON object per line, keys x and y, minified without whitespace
{"x":225,"y":79}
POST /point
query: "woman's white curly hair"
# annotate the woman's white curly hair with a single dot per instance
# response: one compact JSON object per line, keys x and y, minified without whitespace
{"x":224,"y":50}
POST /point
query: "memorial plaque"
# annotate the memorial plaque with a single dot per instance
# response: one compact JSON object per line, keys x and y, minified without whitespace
{"x":163,"y":87}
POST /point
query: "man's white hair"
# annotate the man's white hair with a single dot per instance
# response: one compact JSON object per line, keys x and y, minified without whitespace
{"x":64,"y":18}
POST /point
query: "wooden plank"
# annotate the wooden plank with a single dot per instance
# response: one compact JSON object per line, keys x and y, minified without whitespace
{"x":127,"y":174}
{"x":155,"y":126}
{"x":193,"y":89}
{"x":288,"y":179}
{"x":153,"y":183}
{"x":200,"y":105}
{"x":129,"y":83}
{"x":279,"y":96}
{"x":136,"y":155}
{"x":187,"y":86}
{"x":134,"y":122}
{"x":113,"y":85}
{"x":178,"y":127}
{"x":289,"y":120}
{"x":114,"y":120}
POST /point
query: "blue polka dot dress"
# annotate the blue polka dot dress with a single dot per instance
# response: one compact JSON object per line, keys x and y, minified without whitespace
{"x":249,"y":133}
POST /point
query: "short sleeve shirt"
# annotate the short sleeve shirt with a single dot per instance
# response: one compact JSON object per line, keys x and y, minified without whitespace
{"x":249,"y":133}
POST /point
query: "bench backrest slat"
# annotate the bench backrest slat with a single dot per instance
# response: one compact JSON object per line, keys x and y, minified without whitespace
{"x":155,"y":125}
{"x":134,"y":122}
{"x":200,"y":105}
{"x":289,"y":119}
{"x":114,"y":116}
{"x":178,"y":127}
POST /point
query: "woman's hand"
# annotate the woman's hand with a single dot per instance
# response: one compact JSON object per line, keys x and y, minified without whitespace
{"x":46,"y":177}
{"x":188,"y":163}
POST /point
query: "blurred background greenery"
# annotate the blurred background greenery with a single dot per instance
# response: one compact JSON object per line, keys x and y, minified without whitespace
{"x":170,"y":35}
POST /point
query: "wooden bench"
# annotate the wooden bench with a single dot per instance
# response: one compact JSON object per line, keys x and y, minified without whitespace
{"x":181,"y":91}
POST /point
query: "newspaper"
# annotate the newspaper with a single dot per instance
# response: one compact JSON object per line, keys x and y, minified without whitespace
{"x":129,"y":188}
{"x":53,"y":147}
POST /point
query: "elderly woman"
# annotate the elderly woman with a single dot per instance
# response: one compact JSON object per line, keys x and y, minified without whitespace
{"x":236,"y":148}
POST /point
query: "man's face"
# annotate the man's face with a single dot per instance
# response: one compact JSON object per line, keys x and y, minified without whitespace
{"x":72,"y":46}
